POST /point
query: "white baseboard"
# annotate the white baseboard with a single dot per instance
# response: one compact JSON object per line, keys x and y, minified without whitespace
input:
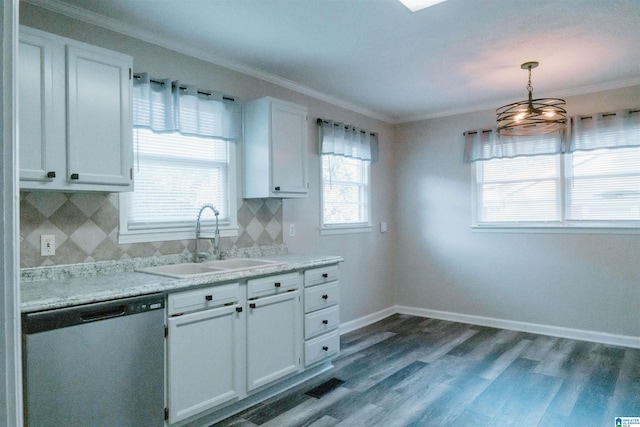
{"x":536,"y":328}
{"x":361,"y":322}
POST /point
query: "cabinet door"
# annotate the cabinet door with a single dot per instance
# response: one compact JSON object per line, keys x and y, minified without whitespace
{"x":274,"y":338}
{"x":204,"y":358}
{"x":35,"y":104}
{"x":288,"y":148}
{"x":99,"y":149}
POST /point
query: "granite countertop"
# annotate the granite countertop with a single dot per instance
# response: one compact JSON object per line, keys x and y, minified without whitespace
{"x":47,"y":288}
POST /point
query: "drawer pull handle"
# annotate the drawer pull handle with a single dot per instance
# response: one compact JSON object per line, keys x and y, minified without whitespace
{"x":209,"y":297}
{"x":239,"y":309}
{"x":277,"y":188}
{"x":325,"y":296}
{"x":51,"y":174}
{"x":325,"y":322}
{"x":252,"y":305}
{"x":277,"y":284}
{"x":325,"y":348}
{"x":75,"y":176}
{"x":325,"y":275}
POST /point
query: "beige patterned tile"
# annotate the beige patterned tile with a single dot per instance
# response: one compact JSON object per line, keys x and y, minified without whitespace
{"x":68,"y":218}
{"x":88,"y":236}
{"x":46,"y":202}
{"x":88,"y":203}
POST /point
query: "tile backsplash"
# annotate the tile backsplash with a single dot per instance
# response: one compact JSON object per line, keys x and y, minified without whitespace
{"x":85,"y":226}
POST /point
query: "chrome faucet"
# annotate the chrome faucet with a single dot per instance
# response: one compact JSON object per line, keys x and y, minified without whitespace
{"x":201,"y":256}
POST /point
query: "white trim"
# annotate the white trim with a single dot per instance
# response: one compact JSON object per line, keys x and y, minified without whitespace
{"x":367,"y":320}
{"x":10,"y":335}
{"x":554,"y":230}
{"x":535,"y":328}
{"x":583,"y":90}
{"x":168,"y":43}
{"x":169,"y":235}
{"x":328,"y":231}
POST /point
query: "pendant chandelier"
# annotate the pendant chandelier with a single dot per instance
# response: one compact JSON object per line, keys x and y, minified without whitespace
{"x":532,"y":116}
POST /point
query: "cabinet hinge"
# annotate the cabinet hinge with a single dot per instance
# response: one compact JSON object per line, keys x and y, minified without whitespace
{"x":166,"y":331}
{"x":131,"y":174}
{"x":166,"y":414}
{"x":130,"y":74}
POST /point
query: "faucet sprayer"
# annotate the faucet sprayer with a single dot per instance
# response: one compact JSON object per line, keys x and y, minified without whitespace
{"x":198,"y":256}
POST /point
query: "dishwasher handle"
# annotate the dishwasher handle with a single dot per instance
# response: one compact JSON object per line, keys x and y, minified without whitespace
{"x":107,"y":313}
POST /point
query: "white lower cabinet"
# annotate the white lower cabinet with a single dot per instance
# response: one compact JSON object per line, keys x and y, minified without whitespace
{"x":231,"y":341}
{"x":322,"y":314}
{"x":274,"y":333}
{"x":205,"y":351}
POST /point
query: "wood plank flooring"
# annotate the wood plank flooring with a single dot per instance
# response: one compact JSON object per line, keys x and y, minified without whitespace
{"x":412,"y":371}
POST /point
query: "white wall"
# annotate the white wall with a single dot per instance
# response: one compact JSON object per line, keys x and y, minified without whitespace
{"x":580,"y":281}
{"x":365,"y":275}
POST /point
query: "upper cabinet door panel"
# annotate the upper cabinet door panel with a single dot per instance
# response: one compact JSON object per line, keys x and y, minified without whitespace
{"x":35,"y":106}
{"x":289,"y":139}
{"x":98,"y":115}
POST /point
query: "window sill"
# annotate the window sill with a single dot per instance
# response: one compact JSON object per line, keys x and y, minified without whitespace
{"x":328,"y":231}
{"x":554,"y":229}
{"x":168,"y":235}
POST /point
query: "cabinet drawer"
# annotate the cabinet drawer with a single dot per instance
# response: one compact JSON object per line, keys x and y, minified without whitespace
{"x":321,"y":275}
{"x":320,"y":297}
{"x":272,"y":285}
{"x":199,"y":299}
{"x":320,"y":322}
{"x":321,"y":347}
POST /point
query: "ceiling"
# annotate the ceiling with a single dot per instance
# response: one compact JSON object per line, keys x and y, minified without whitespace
{"x":378,"y":58}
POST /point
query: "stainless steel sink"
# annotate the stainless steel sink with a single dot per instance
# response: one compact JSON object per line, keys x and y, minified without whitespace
{"x":192,"y":269}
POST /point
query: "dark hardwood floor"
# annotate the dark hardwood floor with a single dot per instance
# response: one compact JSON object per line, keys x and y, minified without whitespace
{"x":412,"y":371}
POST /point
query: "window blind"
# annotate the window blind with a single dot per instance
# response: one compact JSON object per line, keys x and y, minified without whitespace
{"x":175,"y":175}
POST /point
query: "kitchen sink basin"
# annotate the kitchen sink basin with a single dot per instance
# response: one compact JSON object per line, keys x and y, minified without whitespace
{"x":181,"y":271}
{"x":192,"y":269}
{"x":240,"y":263}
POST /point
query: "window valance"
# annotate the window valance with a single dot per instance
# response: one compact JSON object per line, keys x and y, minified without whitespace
{"x":348,"y":141}
{"x":486,"y":144}
{"x":165,"y":105}
{"x":606,"y":130}
{"x":603,"y":130}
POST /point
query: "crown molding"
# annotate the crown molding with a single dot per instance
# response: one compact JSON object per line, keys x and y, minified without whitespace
{"x":582,"y":90}
{"x":153,"y":38}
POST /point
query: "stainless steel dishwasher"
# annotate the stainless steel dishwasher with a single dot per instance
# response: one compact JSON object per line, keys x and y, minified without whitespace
{"x":99,"y":364}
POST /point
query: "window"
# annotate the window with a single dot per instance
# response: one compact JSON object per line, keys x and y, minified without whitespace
{"x":345,"y":192}
{"x":184,"y":157}
{"x":174,"y":176}
{"x":346,"y":153}
{"x":598,"y":188}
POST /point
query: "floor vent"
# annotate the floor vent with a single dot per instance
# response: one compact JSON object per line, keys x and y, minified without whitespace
{"x":324,"y":388}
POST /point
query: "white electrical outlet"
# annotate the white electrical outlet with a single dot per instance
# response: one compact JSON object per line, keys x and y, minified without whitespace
{"x":292,"y":230}
{"x":47,"y":245}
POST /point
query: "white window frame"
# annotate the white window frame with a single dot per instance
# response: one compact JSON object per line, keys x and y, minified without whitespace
{"x":563,"y":226}
{"x":126,"y":235}
{"x":346,"y":228}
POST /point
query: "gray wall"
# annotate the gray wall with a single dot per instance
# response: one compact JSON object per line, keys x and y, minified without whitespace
{"x":365,"y":275}
{"x":580,"y":281}
{"x":429,"y":258}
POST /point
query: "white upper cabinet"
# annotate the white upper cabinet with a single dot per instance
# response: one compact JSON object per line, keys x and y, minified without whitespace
{"x":75,"y":115}
{"x":275,"y":149}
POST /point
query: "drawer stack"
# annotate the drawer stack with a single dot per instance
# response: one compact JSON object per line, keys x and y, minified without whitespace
{"x":321,"y":318}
